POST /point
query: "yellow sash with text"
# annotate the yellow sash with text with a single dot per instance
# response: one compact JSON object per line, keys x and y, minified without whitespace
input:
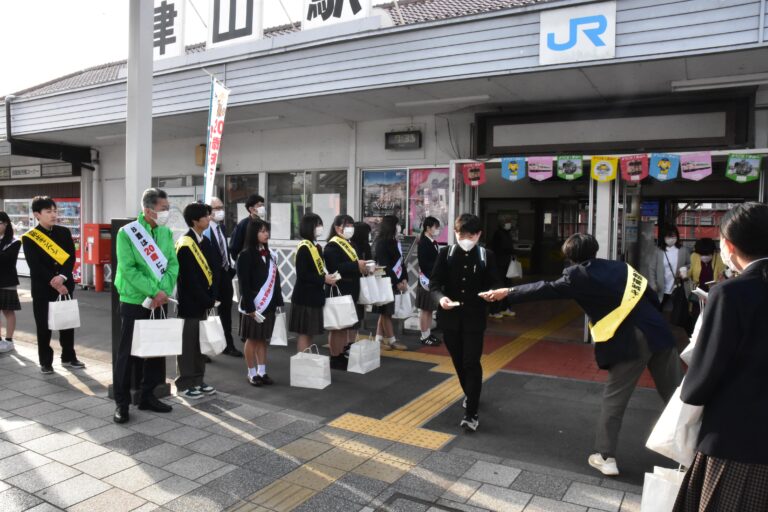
{"x":314,"y":253}
{"x":633,"y":292}
{"x":186,"y":241}
{"x":345,"y":246}
{"x":50,"y":247}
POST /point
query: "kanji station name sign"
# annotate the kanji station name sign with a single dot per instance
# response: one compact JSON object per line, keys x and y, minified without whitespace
{"x":319,"y":13}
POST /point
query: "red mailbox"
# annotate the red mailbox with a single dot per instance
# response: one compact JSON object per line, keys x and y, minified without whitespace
{"x":97,"y":250}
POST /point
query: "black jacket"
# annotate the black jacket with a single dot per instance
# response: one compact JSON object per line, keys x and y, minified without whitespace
{"x":192,"y":290}
{"x":728,"y":374}
{"x":9,"y":254}
{"x":426,"y":252}
{"x":217,"y":251}
{"x":461,"y":279}
{"x":252,"y":273}
{"x":387,"y":255}
{"x":237,"y":240}
{"x":504,"y":247}
{"x":597,"y":285}
{"x":363,"y":250}
{"x":308,"y":290}
{"x":337,"y":260}
{"x":43,"y":268}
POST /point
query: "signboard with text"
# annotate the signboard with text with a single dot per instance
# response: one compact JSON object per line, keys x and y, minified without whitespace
{"x":321,"y":13}
{"x":577,"y":34}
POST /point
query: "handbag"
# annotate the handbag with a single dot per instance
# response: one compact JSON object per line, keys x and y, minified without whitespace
{"x":310,"y":369}
{"x":63,"y":314}
{"x":515,"y":269}
{"x":157,"y":337}
{"x":279,"y":332}
{"x":369,"y":291}
{"x":676,"y":433}
{"x":364,"y":356}
{"x":403,"y":305}
{"x":384,"y":287}
{"x":660,"y":489}
{"x":339,"y":311}
{"x":212,"y":339}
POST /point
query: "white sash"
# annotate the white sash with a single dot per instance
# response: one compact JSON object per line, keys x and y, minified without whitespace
{"x":424,"y":280}
{"x":264,"y":297}
{"x":147,"y":247}
{"x":398,"y":266}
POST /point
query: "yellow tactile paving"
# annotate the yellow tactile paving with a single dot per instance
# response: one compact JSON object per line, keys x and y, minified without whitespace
{"x":442,"y":364}
{"x":304,"y":449}
{"x":388,"y":430}
{"x":247,"y":506}
{"x":384,"y":469}
{"x":314,"y":475}
{"x":342,"y":458}
{"x":430,"y":439}
{"x":281,"y":496}
{"x":353,"y":422}
{"x":360,"y":446}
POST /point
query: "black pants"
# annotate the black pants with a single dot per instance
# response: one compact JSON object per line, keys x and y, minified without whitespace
{"x":225,"y":308}
{"x":466,"y":349}
{"x":66,"y":337}
{"x":149,"y":372}
{"x":190,"y":365}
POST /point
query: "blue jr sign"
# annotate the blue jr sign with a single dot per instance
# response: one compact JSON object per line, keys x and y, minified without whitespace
{"x":577,"y":34}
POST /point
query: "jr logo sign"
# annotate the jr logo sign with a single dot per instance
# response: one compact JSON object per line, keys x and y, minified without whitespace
{"x":577,"y":34}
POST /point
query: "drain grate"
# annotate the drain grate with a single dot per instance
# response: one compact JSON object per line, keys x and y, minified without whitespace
{"x":399,"y":502}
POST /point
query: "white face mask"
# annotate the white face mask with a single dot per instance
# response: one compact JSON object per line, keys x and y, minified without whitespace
{"x":508,"y":226}
{"x":218,"y":215}
{"x":261,"y":211}
{"x":706,"y":259}
{"x":436,"y":233}
{"x":398,"y":229}
{"x":319,"y":232}
{"x":162,"y":218}
{"x":670,"y":241}
{"x":725,"y":255}
{"x":467,"y":244}
{"x":347,"y":232}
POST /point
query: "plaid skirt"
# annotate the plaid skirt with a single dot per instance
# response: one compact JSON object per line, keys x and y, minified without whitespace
{"x":306,"y":320}
{"x":9,"y":300}
{"x":719,"y":485}
{"x":424,"y":299}
{"x":250,"y":329}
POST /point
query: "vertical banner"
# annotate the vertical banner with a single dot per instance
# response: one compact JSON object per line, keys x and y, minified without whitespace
{"x":570,"y":167}
{"x":217,"y":109}
{"x":513,"y":169}
{"x":474,"y":173}
{"x":664,"y":166}
{"x":540,"y":167}
{"x":604,"y":168}
{"x":634,"y":168}
{"x":743,"y":168}
{"x":696,"y":166}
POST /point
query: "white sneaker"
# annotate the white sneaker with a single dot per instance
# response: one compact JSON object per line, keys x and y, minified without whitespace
{"x":605,"y":466}
{"x":469,"y":423}
{"x":464,"y":403}
{"x":508,"y":312}
{"x":496,"y":316}
{"x":6,"y":346}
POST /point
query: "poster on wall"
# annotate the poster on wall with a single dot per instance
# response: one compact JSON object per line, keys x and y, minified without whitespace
{"x":743,"y":168}
{"x":428,"y":197}
{"x":280,"y":221}
{"x":570,"y":167}
{"x":634,"y":168}
{"x":604,"y":168}
{"x":664,"y":166}
{"x":540,"y":167}
{"x":696,"y":166}
{"x":474,"y":174}
{"x":384,"y":193}
{"x":513,"y":169}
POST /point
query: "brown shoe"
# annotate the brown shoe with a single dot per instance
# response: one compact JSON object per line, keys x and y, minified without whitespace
{"x":398,"y":346}
{"x":385,"y":345}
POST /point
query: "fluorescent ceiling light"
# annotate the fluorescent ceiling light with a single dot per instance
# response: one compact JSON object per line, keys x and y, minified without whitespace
{"x":720,"y":82}
{"x":254,"y":120}
{"x":443,"y":101}
{"x":110,"y":137}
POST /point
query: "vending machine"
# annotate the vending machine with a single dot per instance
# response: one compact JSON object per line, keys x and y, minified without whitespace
{"x":20,"y":213}
{"x":69,"y":217}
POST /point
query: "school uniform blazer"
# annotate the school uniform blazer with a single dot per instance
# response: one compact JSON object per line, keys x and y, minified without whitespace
{"x":387,"y":255}
{"x":252,"y":274}
{"x":211,"y":236}
{"x":193,"y":292}
{"x":461,"y":279}
{"x":308,"y":290}
{"x":9,"y":255}
{"x":426,"y":252}
{"x":337,"y":260}
{"x":657,"y":267}
{"x":597,"y":286}
{"x":237,"y":240}
{"x":728,"y":374}
{"x":43,"y":268}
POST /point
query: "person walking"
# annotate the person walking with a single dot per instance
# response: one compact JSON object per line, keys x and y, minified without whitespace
{"x":627,"y":327}
{"x":426,"y":253}
{"x":389,"y":254}
{"x":256,"y":210}
{"x":669,"y":278}
{"x":50,"y":254}
{"x":9,"y":281}
{"x":146,"y":273}
{"x":361,"y":241}
{"x":503,"y":246}
{"x":727,"y":376}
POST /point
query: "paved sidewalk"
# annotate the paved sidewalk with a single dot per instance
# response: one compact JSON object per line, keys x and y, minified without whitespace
{"x":59,"y":450}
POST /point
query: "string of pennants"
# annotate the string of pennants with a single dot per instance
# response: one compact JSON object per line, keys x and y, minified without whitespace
{"x":741,"y":168}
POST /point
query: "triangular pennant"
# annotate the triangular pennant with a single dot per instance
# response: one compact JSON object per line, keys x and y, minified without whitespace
{"x":474,"y":173}
{"x":604,"y":168}
{"x":570,"y":167}
{"x":513,"y":169}
{"x":696,"y":166}
{"x":743,"y":168}
{"x":664,"y":166}
{"x":634,"y":168}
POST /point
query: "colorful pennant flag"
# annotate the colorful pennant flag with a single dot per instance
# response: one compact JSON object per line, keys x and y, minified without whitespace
{"x":634,"y":168}
{"x":540,"y":167}
{"x":474,"y":173}
{"x":570,"y":167}
{"x":743,"y":168}
{"x":513,"y":169}
{"x":664,"y":166}
{"x":696,"y":166}
{"x":604,"y":168}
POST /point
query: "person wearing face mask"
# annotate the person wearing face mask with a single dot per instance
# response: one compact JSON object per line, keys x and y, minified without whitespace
{"x":503,"y":246}
{"x":461,"y":273}
{"x":427,"y":254}
{"x":147,"y":269}
{"x":706,"y":266}
{"x":256,"y":210}
{"x":9,"y":280}
{"x":341,"y":256}
{"x":388,"y":253}
{"x":311,"y":276}
{"x":669,"y":279}
{"x":727,"y":376}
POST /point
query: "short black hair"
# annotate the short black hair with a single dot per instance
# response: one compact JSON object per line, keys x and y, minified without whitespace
{"x":429,"y":222}
{"x":668,"y":230}
{"x":193,"y":212}
{"x":387,"y":228}
{"x":580,"y":247}
{"x":340,"y":221}
{"x":252,"y":234}
{"x":360,"y":238}
{"x":308,"y":224}
{"x":704,"y":246}
{"x":40,"y":203}
{"x":468,"y":223}
{"x":252,"y":200}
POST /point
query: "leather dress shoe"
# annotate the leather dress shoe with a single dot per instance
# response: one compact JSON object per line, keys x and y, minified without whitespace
{"x":232,"y":351}
{"x":121,"y":415}
{"x":151,"y":403}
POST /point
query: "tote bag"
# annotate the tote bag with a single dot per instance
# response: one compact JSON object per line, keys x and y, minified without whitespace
{"x":660,"y":490}
{"x":212,"y":339}
{"x":514,"y":270}
{"x":63,"y":314}
{"x":157,"y":337}
{"x":339,"y":311}
{"x":279,"y":332}
{"x":364,"y":356}
{"x":384,"y":287}
{"x":403,"y":305}
{"x":676,"y":433}
{"x":369,"y":291}
{"x":310,"y":370}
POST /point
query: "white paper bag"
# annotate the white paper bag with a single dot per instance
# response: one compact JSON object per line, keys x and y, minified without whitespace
{"x":514,"y":270}
{"x":364,"y":356}
{"x":63,"y":314}
{"x":339,"y":311}
{"x":677,"y":431}
{"x":236,"y":290}
{"x":157,"y":337}
{"x":310,"y":370}
{"x":369,"y":291}
{"x":660,"y":490}
{"x":279,"y":333}
{"x":403,"y":305}
{"x":384,"y":286}
{"x":687,"y":354}
{"x":212,"y":339}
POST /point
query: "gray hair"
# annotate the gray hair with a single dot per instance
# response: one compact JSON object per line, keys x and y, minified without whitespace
{"x":151,"y":195}
{"x":212,"y":199}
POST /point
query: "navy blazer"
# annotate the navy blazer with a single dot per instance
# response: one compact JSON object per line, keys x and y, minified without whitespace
{"x":252,"y":274}
{"x":597,"y":285}
{"x":729,"y":369}
{"x":194,"y":293}
{"x":427,"y":255}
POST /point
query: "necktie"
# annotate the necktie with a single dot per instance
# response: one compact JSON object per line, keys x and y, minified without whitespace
{"x":222,"y":247}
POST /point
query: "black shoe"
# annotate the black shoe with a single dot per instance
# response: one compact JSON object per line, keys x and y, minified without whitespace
{"x":207,"y":359}
{"x":339,"y":363}
{"x":255,"y":381}
{"x":430,"y":341}
{"x":232,"y":351}
{"x":74,"y":364}
{"x":121,"y":415}
{"x":151,"y":403}
{"x":46,"y":369}
{"x":470,"y":423}
{"x":267,"y":380}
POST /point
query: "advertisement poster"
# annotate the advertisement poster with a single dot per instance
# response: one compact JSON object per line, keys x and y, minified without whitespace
{"x":743,"y":168}
{"x":634,"y":168}
{"x":428,"y":198}
{"x":384,"y":193}
{"x":696,"y":166}
{"x":570,"y":167}
{"x":474,"y":174}
{"x":664,"y":166}
{"x":540,"y":167}
{"x":604,"y":168}
{"x":513,"y":169}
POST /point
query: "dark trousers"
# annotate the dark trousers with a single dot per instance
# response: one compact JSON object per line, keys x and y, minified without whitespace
{"x":66,"y":337}
{"x":148,"y":372}
{"x":190,"y":365}
{"x":622,"y":378}
{"x":466,"y":349}
{"x":225,"y":308}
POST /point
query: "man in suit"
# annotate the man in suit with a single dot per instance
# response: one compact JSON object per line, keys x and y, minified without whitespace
{"x":256,"y":210}
{"x":626,"y":325}
{"x":222,"y":259}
